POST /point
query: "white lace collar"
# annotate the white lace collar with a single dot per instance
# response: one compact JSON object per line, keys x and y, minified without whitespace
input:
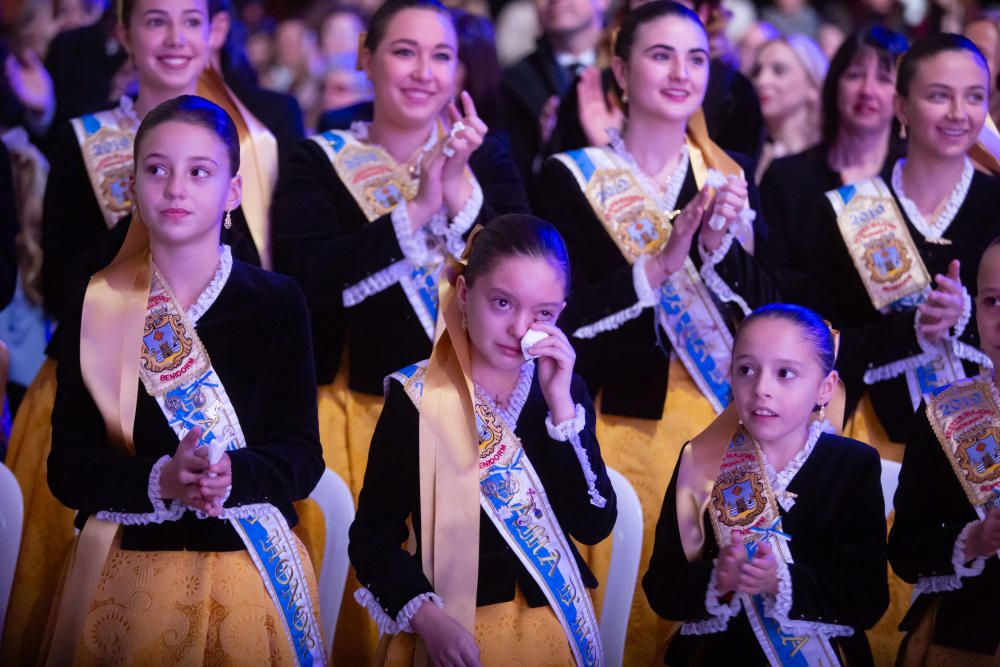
{"x":781,"y":479}
{"x":518,"y":397}
{"x":214,"y":287}
{"x":669,"y":196}
{"x":934,"y":229}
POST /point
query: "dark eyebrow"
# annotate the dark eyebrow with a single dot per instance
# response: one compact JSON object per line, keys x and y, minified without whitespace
{"x":667,"y":47}
{"x":196,"y":158}
{"x":412,"y":42}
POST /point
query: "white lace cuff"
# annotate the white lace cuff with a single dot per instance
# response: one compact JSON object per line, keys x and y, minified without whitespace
{"x":721,"y":611}
{"x":952,"y":582}
{"x":455,"y":232}
{"x":963,"y":319}
{"x":646,"y":299}
{"x":386,"y":625}
{"x":897,"y":368}
{"x":640,"y":282}
{"x":778,"y":607}
{"x":160,"y":513}
{"x":377,"y":282}
{"x":569,"y":431}
{"x":412,"y":243}
{"x":713,"y":280}
{"x":241,"y":511}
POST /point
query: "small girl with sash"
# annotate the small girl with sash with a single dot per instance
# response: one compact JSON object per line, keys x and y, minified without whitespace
{"x":489,"y":448}
{"x":902,"y":250}
{"x":184,"y":428}
{"x":655,"y":293}
{"x":771,"y":540}
{"x":86,"y":216}
{"x":946,"y":537}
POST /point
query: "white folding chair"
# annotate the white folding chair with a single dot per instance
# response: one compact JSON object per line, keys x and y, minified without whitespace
{"x":890,"y":480}
{"x":11,"y":519}
{"x":626,"y":547}
{"x":337,"y":504}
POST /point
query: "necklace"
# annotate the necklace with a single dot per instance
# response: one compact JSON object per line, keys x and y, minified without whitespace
{"x":360,"y":129}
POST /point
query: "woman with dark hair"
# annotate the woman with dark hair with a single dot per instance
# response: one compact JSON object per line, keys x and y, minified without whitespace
{"x":182,"y":466}
{"x":657,"y":227}
{"x":489,"y":449}
{"x":364,"y":219}
{"x":903,"y":250}
{"x":857,"y":143}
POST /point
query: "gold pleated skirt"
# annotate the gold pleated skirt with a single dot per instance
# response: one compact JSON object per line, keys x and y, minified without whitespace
{"x":48,"y":525}
{"x":509,"y":634}
{"x":346,"y":423}
{"x":185,"y":608}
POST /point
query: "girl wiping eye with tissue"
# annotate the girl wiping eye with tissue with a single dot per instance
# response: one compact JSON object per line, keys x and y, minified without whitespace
{"x":496,"y":461}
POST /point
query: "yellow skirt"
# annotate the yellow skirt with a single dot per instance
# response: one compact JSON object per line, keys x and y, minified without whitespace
{"x":509,"y":634}
{"x":184,"y":608}
{"x":645,"y":451}
{"x":346,"y":423}
{"x":885,"y":637}
{"x":48,"y":525}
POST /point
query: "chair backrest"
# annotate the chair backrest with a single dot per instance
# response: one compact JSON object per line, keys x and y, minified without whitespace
{"x":626,"y":547}
{"x":335,"y":500}
{"x":890,"y":480}
{"x":11,"y":519}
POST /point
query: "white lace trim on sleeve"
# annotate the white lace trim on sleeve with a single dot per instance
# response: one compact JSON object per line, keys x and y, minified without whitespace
{"x":375,"y":283}
{"x":721,"y":611}
{"x":160,"y":514}
{"x":952,"y":582}
{"x":711,"y":277}
{"x":455,"y":232}
{"x":412,"y":243}
{"x":569,"y":431}
{"x":778,"y":607}
{"x":386,"y":625}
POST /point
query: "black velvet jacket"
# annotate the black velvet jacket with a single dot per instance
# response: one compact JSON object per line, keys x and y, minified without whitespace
{"x":838,"y":544}
{"x":272,"y":386}
{"x":76,"y":241}
{"x":870,"y":339}
{"x":628,"y":363}
{"x":323,"y":239}
{"x":391,"y":494}
{"x":931,"y":510}
{"x":793,"y":196}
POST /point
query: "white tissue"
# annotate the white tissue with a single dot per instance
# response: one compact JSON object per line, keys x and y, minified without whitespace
{"x":531,"y":337}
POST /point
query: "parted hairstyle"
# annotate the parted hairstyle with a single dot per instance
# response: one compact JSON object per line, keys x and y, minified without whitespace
{"x":193,"y":110}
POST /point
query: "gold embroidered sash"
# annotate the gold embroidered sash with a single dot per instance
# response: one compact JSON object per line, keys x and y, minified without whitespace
{"x":105,"y":140}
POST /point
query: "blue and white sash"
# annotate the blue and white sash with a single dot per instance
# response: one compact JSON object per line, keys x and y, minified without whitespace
{"x":893,"y":272}
{"x":105,"y":140}
{"x":176,"y":370}
{"x":744,"y":510}
{"x":639,"y":224}
{"x":378,"y":184}
{"x":514,"y":499}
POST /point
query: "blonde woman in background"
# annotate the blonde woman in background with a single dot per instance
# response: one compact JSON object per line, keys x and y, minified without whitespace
{"x":788,"y":76}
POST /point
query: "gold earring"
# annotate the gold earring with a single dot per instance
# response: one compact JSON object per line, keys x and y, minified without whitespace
{"x":465,"y":322}
{"x":228,"y":224}
{"x":902,"y":131}
{"x":624,"y":97}
{"x":822,"y":412}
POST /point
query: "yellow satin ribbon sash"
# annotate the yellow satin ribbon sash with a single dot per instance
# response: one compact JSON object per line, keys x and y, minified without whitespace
{"x":449,"y":475}
{"x":258,"y":160}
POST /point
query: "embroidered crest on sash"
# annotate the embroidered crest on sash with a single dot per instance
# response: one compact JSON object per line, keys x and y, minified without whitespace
{"x":105,"y":140}
{"x":966,"y":419}
{"x":636,"y":220}
{"x":880,"y":244}
{"x":176,"y":371}
{"x":743,"y":511}
{"x":514,"y":499}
